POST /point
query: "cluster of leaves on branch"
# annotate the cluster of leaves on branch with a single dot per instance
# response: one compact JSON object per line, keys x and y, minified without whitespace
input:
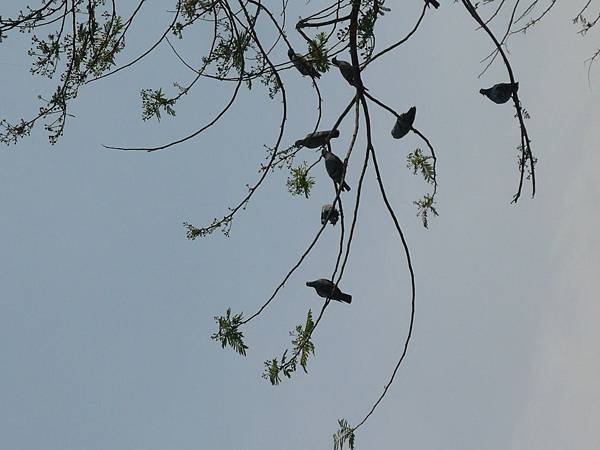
{"x":345,"y":434}
{"x":79,"y":49}
{"x":302,"y":347}
{"x":229,"y":333}
{"x":299,"y":181}
{"x":423,"y":164}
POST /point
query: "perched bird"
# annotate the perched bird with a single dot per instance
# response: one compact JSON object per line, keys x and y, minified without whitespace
{"x":433,"y":3}
{"x":335,"y":168}
{"x":347,"y":71}
{"x":317,"y":139}
{"x":500,"y":93}
{"x":404,"y":123}
{"x":329,"y":213}
{"x":327,"y":289}
{"x":303,"y":66}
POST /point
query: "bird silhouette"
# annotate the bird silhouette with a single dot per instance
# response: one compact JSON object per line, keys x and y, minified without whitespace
{"x":326,"y":289}
{"x":347,"y":70}
{"x":335,"y":168}
{"x":317,"y":139}
{"x":303,"y":66}
{"x":329,"y":213}
{"x":500,"y":93}
{"x":404,"y":123}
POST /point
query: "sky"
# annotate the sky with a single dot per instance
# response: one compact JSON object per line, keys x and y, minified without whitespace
{"x":106,"y":310}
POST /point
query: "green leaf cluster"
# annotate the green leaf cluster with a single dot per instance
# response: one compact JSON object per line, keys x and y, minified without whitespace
{"x":153,"y":101}
{"x":344,"y":434}
{"x":424,"y":208}
{"x":317,"y":52}
{"x":418,"y":162}
{"x":229,"y":333}
{"x":223,"y":224}
{"x":299,"y":182}
{"x":86,"y":52}
{"x":302,"y":348}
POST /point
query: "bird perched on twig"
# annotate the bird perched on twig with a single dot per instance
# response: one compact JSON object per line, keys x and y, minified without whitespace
{"x":500,"y":93}
{"x":404,"y":123}
{"x":317,"y":139}
{"x":303,"y":66}
{"x":347,"y":71}
{"x":326,"y":289}
{"x":433,"y":3}
{"x":329,"y":214}
{"x":335,"y":168}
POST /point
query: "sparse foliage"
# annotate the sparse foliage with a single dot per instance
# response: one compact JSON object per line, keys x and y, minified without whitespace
{"x":344,"y":434}
{"x":299,"y":181}
{"x":302,"y":348}
{"x":425,"y":208}
{"x":418,"y":162}
{"x":229,"y":333}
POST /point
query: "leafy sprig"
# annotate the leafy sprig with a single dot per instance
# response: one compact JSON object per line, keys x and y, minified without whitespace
{"x":229,"y":333}
{"x":424,"y":208}
{"x":418,"y":162}
{"x":299,"y":182}
{"x":302,"y":348}
{"x":344,"y":434}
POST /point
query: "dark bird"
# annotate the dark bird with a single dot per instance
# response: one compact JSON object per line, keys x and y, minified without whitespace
{"x":317,"y":139}
{"x":433,"y":3}
{"x":303,"y":66}
{"x":404,"y":123}
{"x":500,"y":93}
{"x":329,"y":213}
{"x":335,"y":168}
{"x":327,"y":289}
{"x":347,"y":71}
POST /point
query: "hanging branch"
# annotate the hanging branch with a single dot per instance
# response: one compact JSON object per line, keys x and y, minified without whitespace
{"x":526,"y":160}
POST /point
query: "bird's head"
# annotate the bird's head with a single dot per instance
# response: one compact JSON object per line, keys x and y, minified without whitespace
{"x":324,"y":152}
{"x":299,"y":143}
{"x":291,"y":53}
{"x":334,"y":61}
{"x":311,"y":283}
{"x":482,"y":91}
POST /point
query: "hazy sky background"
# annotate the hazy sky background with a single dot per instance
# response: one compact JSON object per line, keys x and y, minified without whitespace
{"x":106,"y":309}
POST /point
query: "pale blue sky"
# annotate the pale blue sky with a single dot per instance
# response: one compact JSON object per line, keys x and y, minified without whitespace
{"x":106,"y":309}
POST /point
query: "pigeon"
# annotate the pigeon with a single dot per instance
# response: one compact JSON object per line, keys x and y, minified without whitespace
{"x":303,"y":66}
{"x":326,"y":289}
{"x":404,"y":123}
{"x":329,"y":213}
{"x":335,"y":168}
{"x":433,"y":3}
{"x":347,"y":71}
{"x":500,"y":93}
{"x":317,"y":139}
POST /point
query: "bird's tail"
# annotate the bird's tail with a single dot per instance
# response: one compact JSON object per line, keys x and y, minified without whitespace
{"x":346,"y":298}
{"x":435,"y":3}
{"x":345,"y":187}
